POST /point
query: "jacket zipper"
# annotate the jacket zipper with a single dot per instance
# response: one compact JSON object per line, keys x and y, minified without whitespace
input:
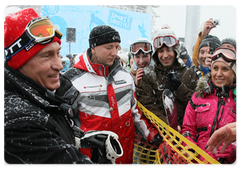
{"x":216,"y":116}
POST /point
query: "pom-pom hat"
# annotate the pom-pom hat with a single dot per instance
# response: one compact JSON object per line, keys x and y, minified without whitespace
{"x":14,"y":27}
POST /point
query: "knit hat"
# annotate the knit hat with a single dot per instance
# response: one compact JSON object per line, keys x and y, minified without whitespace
{"x":229,"y":52}
{"x":229,"y":41}
{"x":103,"y":34}
{"x":14,"y":27}
{"x":210,"y":40}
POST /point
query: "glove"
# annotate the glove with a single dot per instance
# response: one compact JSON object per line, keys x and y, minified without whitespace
{"x":157,"y":139}
{"x":105,"y":147}
{"x":133,"y":72}
{"x":173,"y":81}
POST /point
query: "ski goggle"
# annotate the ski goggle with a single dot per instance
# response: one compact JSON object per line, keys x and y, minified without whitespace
{"x":42,"y":30}
{"x":169,"y":41}
{"x":145,"y":47}
{"x":227,"y":54}
{"x":39,"y":30}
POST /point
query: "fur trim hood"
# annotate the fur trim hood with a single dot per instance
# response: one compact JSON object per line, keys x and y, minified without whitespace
{"x":203,"y":86}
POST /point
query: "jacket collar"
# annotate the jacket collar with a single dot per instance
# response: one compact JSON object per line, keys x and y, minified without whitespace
{"x":16,"y":81}
{"x":98,"y":69}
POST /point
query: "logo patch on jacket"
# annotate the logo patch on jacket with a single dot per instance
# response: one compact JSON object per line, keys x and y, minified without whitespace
{"x":120,"y":82}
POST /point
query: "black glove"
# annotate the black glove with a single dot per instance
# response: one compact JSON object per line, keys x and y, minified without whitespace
{"x":173,"y":80}
{"x":157,"y":139}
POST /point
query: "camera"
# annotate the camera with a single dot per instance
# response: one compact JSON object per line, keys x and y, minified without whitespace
{"x":216,"y":22}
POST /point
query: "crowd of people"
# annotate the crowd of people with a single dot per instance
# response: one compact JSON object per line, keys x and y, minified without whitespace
{"x":59,"y":111}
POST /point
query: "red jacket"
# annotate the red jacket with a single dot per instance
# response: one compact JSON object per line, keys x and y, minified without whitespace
{"x":108,"y":102}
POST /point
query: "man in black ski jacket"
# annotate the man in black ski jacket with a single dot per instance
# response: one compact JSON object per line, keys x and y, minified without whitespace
{"x":37,"y":121}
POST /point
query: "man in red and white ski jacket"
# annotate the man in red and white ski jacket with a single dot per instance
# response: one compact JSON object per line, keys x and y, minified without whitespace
{"x":108,"y":102}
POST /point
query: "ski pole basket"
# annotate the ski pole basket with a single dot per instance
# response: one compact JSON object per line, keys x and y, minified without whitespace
{"x":173,"y":150}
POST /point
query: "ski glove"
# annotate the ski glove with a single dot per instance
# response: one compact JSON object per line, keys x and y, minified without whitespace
{"x":173,"y":80}
{"x":105,"y":147}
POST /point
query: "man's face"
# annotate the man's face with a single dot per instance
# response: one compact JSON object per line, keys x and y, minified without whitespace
{"x":105,"y":54}
{"x":203,"y":55}
{"x":166,"y":56}
{"x":45,"y":66}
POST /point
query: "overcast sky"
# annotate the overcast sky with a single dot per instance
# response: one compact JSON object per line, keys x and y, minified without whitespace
{"x":175,"y":17}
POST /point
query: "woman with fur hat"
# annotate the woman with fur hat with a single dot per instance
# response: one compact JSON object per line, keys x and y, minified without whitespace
{"x":212,"y":106}
{"x":168,"y":72}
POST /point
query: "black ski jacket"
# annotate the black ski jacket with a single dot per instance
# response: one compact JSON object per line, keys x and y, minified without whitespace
{"x":36,"y":125}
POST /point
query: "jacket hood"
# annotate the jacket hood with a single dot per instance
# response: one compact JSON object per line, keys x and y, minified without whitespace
{"x":135,"y":66}
{"x":177,"y":54}
{"x":167,"y":31}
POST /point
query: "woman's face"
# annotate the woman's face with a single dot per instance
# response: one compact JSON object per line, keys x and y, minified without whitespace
{"x":203,"y":55}
{"x":142,"y":59}
{"x":222,"y":74}
{"x":166,"y":56}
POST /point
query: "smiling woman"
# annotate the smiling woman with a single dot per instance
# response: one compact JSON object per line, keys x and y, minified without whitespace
{"x":223,"y":67}
{"x":213,"y":105}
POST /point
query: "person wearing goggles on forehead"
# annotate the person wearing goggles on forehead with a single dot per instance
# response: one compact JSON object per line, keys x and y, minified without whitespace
{"x":141,"y":51}
{"x":227,"y":43}
{"x":212,"y":106}
{"x":168,"y":72}
{"x":37,"y":126}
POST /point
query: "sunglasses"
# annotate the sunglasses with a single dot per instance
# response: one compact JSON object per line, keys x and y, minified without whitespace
{"x":169,"y":40}
{"x":145,"y":47}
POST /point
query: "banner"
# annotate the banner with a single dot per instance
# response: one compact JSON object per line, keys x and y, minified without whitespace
{"x":130,"y":25}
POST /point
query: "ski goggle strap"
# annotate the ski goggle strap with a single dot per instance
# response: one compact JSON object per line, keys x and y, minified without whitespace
{"x":39,"y":30}
{"x":170,"y":41}
{"x":227,"y":54}
{"x":145,"y":47}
